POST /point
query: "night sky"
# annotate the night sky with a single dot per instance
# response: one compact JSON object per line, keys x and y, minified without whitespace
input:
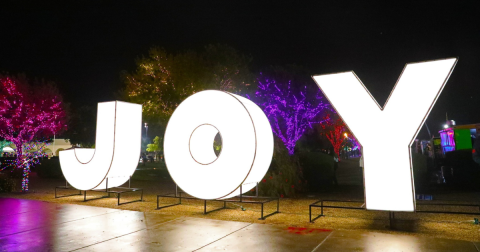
{"x":84,"y":45}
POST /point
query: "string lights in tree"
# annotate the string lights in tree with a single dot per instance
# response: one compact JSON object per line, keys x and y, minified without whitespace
{"x":163,"y":80}
{"x":334,"y":130}
{"x":289,"y":110}
{"x":29,"y":114}
{"x":33,"y":154}
{"x":355,"y":144}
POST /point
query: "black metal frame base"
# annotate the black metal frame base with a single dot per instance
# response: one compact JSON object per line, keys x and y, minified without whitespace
{"x":101,"y":197}
{"x":328,"y":206}
{"x":118,"y":190}
{"x":447,"y":204}
{"x":391,"y":214}
{"x":239,"y":199}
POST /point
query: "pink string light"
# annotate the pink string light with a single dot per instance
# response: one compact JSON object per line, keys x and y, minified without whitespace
{"x":28,"y":115}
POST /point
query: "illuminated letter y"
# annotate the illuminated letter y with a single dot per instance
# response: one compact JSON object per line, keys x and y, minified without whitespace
{"x":387,"y":134}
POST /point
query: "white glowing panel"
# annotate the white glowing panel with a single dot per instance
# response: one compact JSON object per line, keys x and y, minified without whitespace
{"x":116,"y":153}
{"x":247,"y":145}
{"x":386,"y":135}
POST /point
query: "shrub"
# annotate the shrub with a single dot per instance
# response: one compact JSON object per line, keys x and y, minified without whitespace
{"x":7,"y":184}
{"x":317,"y":168}
{"x":284,"y":177}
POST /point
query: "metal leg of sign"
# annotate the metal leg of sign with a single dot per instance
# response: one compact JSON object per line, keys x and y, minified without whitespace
{"x":278,"y":205}
{"x":121,"y":190}
{"x":263,"y":217}
{"x":101,"y":197}
{"x":310,"y":211}
{"x":205,"y":207}
{"x":168,"y":196}
{"x":176,"y":195}
{"x":391,"y":217}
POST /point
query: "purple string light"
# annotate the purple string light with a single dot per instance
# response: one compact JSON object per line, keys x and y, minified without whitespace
{"x":289,"y":112}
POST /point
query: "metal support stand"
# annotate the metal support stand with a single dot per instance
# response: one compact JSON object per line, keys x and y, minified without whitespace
{"x":239,"y":199}
{"x":322,"y":205}
{"x":391,"y":217}
{"x":448,"y":204}
{"x":121,"y":190}
{"x":104,"y":196}
{"x":391,"y":214}
{"x":118,"y":190}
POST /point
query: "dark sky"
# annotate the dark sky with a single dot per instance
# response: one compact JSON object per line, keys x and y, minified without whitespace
{"x":84,"y":45}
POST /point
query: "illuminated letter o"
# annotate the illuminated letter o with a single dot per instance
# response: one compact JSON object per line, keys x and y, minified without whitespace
{"x":247,"y":145}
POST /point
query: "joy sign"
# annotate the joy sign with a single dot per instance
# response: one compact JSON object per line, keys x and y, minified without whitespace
{"x":247,"y":139}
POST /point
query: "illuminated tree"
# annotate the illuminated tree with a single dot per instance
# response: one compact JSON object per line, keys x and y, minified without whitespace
{"x":29,"y":114}
{"x":156,"y":146}
{"x":354,"y":142}
{"x":288,"y":108}
{"x":163,"y":80}
{"x":334,"y":130}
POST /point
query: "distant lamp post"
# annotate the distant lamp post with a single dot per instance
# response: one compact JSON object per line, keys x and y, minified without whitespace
{"x":146,"y":130}
{"x":445,"y":126}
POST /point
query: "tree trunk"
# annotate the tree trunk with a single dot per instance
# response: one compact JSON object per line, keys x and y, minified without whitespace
{"x":19,"y":151}
{"x":26,"y":172}
{"x":21,"y":164}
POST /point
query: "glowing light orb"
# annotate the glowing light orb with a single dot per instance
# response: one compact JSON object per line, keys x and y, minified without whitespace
{"x":116,"y":153}
{"x":387,"y":133}
{"x":247,"y":145}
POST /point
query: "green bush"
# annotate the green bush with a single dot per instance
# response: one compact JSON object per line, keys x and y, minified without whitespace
{"x":49,"y":168}
{"x":284,"y":177}
{"x":317,"y":169}
{"x":7,"y":184}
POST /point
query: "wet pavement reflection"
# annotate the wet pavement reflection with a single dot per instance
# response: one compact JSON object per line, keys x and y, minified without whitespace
{"x":28,"y":225}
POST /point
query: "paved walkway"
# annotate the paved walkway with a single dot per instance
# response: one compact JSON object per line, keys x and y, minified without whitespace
{"x":28,"y":225}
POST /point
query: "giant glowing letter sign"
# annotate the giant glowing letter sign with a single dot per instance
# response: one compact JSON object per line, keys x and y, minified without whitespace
{"x":116,"y":153}
{"x":247,"y":145}
{"x":387,"y":134}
